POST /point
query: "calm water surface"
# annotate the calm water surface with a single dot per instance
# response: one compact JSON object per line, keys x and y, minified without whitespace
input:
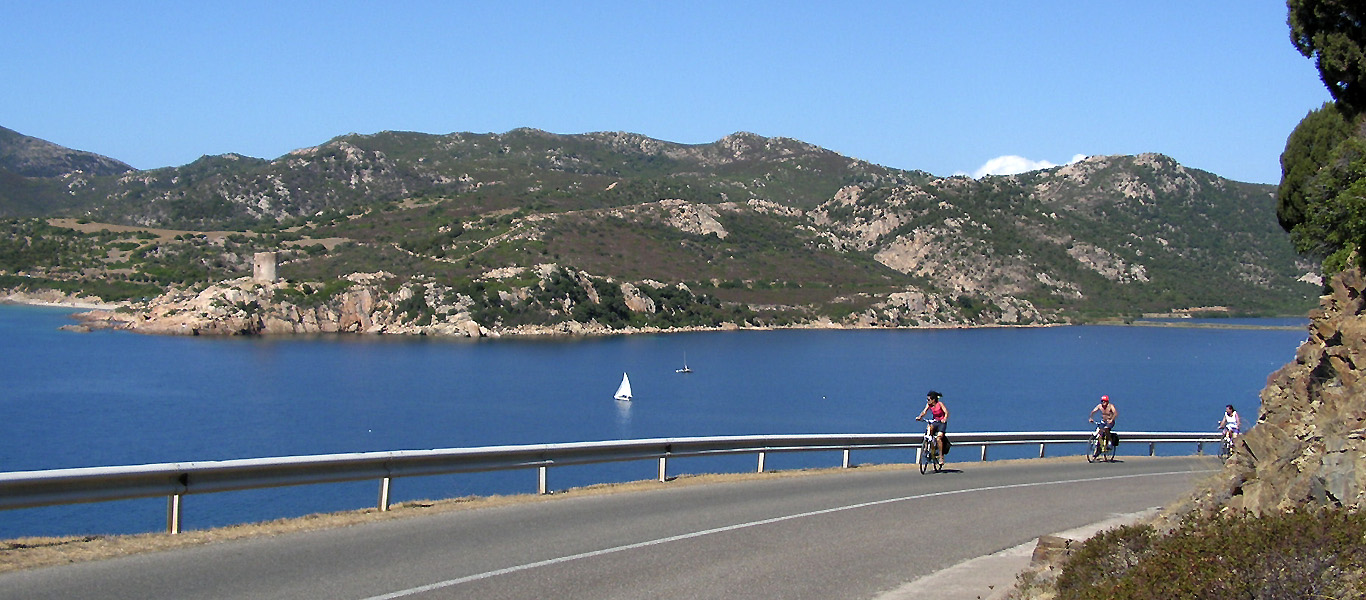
{"x":113,"y":398}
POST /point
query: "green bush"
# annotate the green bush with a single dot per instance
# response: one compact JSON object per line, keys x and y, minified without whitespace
{"x":1301,"y":554}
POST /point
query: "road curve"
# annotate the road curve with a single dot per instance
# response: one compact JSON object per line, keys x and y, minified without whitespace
{"x":846,"y":534}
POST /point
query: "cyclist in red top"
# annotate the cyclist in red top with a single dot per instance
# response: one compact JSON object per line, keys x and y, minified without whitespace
{"x":939,"y":419}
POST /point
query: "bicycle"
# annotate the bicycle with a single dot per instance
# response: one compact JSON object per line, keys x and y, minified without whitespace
{"x":929,"y":449}
{"x":1100,"y":447}
{"x":1226,"y":445}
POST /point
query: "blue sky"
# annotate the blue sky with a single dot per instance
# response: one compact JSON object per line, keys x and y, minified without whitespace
{"x":944,"y":87}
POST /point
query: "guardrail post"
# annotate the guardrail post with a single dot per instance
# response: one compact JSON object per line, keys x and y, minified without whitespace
{"x":540,"y":484}
{"x":663,"y":469}
{"x":918,"y":449}
{"x":984,"y":453}
{"x":173,"y":514}
{"x":762,"y":455}
{"x":1152,"y":448}
{"x":846,"y":459}
{"x":1200,"y":448}
{"x":1041,"y":449}
{"x":384,"y":493}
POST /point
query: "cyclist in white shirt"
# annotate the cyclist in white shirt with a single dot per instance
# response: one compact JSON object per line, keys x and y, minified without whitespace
{"x":1231,"y":424}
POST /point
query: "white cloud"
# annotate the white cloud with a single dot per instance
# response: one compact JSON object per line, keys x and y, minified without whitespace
{"x":1011,"y":165}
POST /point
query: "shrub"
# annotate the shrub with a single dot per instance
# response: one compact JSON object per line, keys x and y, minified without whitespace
{"x":1308,"y":553}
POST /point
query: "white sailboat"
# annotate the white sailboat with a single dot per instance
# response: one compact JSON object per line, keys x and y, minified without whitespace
{"x":624,"y":390}
{"x":685,"y":368}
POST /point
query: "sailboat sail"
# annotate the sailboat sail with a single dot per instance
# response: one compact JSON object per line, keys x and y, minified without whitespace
{"x":624,"y":390}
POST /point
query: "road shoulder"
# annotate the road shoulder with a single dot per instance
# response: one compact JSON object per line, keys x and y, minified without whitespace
{"x":992,"y":576}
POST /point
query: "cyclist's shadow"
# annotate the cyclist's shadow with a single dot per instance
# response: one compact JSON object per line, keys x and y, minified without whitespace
{"x":947,"y":469}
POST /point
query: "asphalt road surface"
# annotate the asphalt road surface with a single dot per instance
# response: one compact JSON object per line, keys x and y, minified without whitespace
{"x":848,"y":534}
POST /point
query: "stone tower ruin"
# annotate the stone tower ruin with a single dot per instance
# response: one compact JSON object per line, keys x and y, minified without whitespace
{"x":263,"y":267}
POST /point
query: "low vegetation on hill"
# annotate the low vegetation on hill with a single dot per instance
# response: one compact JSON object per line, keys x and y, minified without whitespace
{"x":746,"y":231}
{"x":1302,"y":553}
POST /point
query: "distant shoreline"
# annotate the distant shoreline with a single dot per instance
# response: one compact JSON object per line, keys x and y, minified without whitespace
{"x":77,"y":304}
{"x":50,"y":300}
{"x":1203,"y":325}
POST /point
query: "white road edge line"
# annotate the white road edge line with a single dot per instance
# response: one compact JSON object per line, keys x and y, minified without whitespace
{"x":674,"y":538}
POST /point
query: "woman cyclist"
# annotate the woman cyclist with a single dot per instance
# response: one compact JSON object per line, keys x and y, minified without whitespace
{"x":1231,"y":424}
{"x":939,"y":420}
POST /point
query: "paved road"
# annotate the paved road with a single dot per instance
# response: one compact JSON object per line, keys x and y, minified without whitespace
{"x":848,"y":534}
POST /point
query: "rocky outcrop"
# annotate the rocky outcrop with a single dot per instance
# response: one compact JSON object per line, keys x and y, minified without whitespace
{"x":370,"y":303}
{"x":247,"y":307}
{"x":914,"y":308}
{"x":1308,"y":447}
{"x":699,"y":219}
{"x":636,"y":301}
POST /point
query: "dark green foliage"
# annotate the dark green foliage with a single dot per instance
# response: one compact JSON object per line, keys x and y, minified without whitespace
{"x":562,"y":296}
{"x":1306,"y":151}
{"x":31,"y":197}
{"x":1308,"y":553}
{"x":25,"y":244}
{"x":108,"y":290}
{"x":248,"y":308}
{"x":973,"y":308}
{"x":1335,"y":215}
{"x":1321,"y":200}
{"x":1333,"y":34}
{"x":70,"y":260}
{"x":415,"y":308}
{"x":434,"y":245}
{"x":311,"y":296}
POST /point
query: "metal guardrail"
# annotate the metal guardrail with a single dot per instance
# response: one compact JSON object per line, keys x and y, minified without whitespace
{"x":26,"y":489}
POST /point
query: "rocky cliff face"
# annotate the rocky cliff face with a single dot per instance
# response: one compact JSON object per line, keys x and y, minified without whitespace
{"x":246,"y":307}
{"x":369,"y":303}
{"x":1309,"y":444}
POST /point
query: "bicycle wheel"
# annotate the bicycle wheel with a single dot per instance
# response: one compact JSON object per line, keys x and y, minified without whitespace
{"x":1093,"y":449}
{"x":926,"y":455}
{"x":1107,"y":449}
{"x":1225,"y":449}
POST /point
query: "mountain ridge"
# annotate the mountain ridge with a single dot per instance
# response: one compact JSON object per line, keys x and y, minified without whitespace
{"x":28,"y":156}
{"x":746,"y":230}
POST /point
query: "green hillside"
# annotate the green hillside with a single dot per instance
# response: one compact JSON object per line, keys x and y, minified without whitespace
{"x":746,"y":230}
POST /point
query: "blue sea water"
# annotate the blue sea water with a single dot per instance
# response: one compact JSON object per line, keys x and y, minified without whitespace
{"x":115,"y":398}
